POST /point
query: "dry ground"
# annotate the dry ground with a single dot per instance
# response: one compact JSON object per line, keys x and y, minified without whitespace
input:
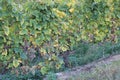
{"x":104,"y":69}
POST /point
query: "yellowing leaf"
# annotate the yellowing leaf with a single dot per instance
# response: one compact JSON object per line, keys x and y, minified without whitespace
{"x":56,"y":44}
{"x":65,"y":27}
{"x":107,"y":19}
{"x":69,"y":4}
{"x":60,"y":14}
{"x":58,"y":66}
{"x":16,"y":63}
{"x":20,"y":61}
{"x":31,"y":39}
{"x":73,"y":1}
{"x":4,"y":53}
{"x":71,"y":10}
{"x":64,"y":48}
{"x":97,"y":32}
{"x":106,"y":30}
{"x":43,"y":51}
{"x":54,"y":57}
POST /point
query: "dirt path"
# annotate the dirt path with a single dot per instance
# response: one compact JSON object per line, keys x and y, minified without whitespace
{"x":88,"y":67}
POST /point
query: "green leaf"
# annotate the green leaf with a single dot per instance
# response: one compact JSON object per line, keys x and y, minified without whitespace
{"x":1,"y":39}
{"x":15,"y":63}
{"x":23,"y":56}
{"x":6,"y":29}
{"x":43,"y":70}
{"x":118,"y":16}
{"x":17,"y":50}
{"x":22,"y":21}
{"x":10,"y":65}
{"x":23,"y":32}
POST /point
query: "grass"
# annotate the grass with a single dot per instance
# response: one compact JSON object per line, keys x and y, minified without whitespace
{"x":109,"y":71}
{"x":87,"y":52}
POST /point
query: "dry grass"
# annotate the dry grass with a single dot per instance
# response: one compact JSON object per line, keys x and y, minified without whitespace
{"x":108,"y":69}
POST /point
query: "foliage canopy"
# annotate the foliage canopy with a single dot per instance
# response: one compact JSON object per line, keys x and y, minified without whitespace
{"x":45,"y":29}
